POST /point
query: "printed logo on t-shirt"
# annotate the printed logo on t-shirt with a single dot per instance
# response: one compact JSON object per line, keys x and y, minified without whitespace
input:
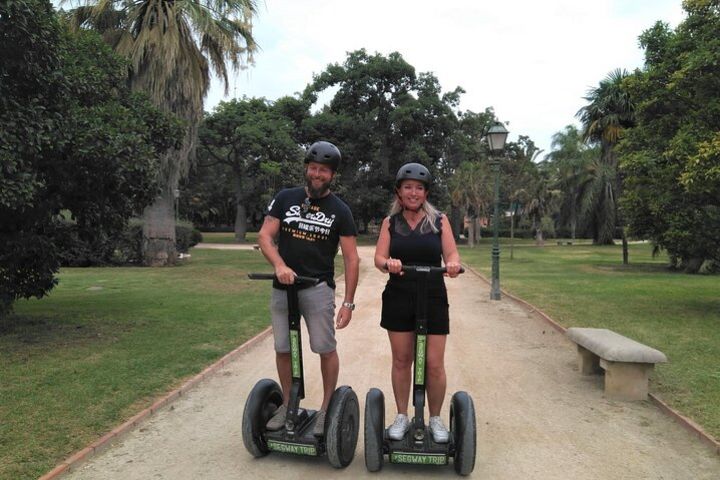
{"x":271,"y":204}
{"x":314,"y":226}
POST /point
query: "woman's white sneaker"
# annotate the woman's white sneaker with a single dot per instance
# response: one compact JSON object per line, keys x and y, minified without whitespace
{"x":439,"y":432}
{"x":399,"y":427}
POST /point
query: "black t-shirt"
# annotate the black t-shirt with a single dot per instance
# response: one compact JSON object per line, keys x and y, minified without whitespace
{"x":310,"y":231}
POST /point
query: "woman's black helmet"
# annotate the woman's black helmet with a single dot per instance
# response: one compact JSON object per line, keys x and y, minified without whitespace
{"x":325,"y":153}
{"x":414,"y":171}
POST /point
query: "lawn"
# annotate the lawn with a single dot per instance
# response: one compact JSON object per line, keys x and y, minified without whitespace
{"x":587,"y":286}
{"x":227,"y":237}
{"x":107,"y":341}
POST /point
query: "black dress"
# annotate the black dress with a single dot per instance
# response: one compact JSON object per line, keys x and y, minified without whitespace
{"x":418,"y":246}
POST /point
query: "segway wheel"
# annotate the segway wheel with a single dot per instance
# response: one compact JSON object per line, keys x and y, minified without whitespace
{"x":264,"y":399}
{"x":341,"y":427}
{"x":374,"y":427}
{"x":462,"y":425}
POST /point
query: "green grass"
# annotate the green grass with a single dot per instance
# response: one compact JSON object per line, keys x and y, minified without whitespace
{"x":108,"y":341}
{"x":227,"y":237}
{"x":587,"y":286}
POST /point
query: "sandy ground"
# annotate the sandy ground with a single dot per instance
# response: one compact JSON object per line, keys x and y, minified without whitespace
{"x":537,"y":417}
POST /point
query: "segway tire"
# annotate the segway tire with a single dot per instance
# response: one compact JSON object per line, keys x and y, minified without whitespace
{"x":264,"y":399}
{"x":462,"y":424}
{"x":374,"y":429}
{"x":341,"y":427}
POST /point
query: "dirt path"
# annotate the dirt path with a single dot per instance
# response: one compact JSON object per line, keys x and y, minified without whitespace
{"x":537,"y":417}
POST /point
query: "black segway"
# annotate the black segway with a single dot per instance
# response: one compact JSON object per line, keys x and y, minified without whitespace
{"x":296,"y":437}
{"x":418,"y":446}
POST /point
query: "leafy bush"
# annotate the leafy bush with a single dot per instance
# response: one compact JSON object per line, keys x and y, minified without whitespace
{"x":186,"y":236}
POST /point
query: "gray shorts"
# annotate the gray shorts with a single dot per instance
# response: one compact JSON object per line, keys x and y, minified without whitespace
{"x":317,"y":307}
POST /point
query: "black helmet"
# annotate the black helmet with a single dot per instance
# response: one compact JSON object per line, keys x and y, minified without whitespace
{"x":414,"y":171}
{"x":325,"y":153}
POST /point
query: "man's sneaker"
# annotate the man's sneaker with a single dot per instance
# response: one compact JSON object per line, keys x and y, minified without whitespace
{"x":319,"y":428}
{"x":277,"y":421}
{"x":399,"y":427}
{"x":439,"y":432}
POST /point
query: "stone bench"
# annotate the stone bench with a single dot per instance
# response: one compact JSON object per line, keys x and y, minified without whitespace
{"x":627,"y":363}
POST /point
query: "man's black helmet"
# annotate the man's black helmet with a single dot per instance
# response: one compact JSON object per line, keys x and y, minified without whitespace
{"x":325,"y":153}
{"x":414,"y":171}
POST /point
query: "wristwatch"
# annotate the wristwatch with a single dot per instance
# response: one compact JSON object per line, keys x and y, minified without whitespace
{"x":349,"y":306}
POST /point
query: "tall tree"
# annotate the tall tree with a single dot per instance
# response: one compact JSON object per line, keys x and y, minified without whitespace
{"x":381,"y":115}
{"x":79,"y":153}
{"x":569,"y":162}
{"x":671,"y":158}
{"x":471,"y":188}
{"x":255,"y":140}
{"x":542,"y":203}
{"x":604,"y":119}
{"x":171,"y":46}
{"x":465,"y":145}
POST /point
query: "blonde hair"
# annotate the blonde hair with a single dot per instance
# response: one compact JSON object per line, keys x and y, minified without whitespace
{"x":431,"y":214}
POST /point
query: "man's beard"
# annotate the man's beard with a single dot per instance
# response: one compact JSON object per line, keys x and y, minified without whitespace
{"x":317,"y":192}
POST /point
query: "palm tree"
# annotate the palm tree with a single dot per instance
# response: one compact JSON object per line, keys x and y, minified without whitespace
{"x":171,"y":46}
{"x":569,"y":160}
{"x":471,"y":189}
{"x":609,"y":112}
{"x":542,"y":202}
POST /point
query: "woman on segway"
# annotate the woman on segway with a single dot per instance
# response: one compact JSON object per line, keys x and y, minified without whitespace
{"x":415,"y":233}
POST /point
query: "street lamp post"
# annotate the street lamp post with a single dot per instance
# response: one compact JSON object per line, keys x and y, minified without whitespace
{"x":496,"y":137}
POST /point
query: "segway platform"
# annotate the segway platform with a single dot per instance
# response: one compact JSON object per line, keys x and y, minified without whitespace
{"x":304,"y":442}
{"x":423,"y":452}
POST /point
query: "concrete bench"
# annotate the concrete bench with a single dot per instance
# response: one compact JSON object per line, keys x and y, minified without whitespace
{"x":627,"y":363}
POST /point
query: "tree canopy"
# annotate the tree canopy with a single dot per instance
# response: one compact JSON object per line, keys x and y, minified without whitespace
{"x":79,"y":153}
{"x":670,"y":160}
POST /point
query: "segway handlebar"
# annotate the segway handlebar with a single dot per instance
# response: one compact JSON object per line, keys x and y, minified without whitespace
{"x":427,"y":269}
{"x":299,"y":279}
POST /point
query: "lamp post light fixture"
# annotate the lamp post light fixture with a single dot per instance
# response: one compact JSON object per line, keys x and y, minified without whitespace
{"x":496,"y":136}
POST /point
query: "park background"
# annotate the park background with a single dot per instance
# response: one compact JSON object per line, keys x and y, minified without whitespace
{"x":116,"y":152}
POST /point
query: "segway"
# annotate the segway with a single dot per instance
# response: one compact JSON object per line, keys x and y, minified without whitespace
{"x":296,"y":437}
{"x":418,"y":446}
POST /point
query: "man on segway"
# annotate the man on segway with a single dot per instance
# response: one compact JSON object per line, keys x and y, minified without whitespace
{"x":300,"y":237}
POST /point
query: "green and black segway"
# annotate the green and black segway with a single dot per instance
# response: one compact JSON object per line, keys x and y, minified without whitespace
{"x":296,"y":437}
{"x":418,"y":446}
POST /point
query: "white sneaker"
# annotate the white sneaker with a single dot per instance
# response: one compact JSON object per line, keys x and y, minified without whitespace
{"x":439,"y":432}
{"x":399,"y":427}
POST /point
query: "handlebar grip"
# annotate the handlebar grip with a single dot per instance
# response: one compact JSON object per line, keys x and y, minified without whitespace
{"x":427,"y":269}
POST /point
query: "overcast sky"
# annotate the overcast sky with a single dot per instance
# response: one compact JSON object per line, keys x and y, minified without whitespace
{"x":532,"y":60}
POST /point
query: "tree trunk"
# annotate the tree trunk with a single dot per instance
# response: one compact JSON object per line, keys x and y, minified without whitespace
{"x":625,"y":252}
{"x":240,"y":222}
{"x":512,"y":233}
{"x":539,"y":240}
{"x":471,"y":233}
{"x":456,"y":222}
{"x":159,"y":231}
{"x":692,"y":265}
